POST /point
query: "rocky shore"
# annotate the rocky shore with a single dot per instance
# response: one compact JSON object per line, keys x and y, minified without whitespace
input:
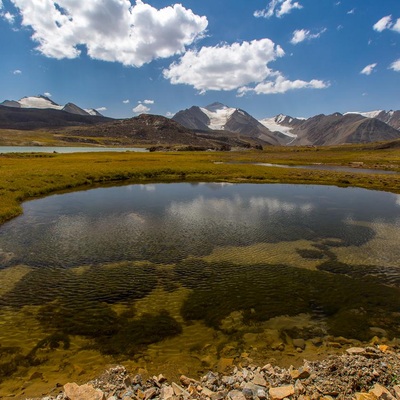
{"x":361,"y":373}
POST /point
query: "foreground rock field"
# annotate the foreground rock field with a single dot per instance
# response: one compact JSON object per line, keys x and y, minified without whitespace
{"x":360,"y":373}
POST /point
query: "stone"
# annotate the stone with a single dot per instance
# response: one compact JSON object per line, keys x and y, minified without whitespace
{"x":299,"y":388}
{"x":36,"y":375}
{"x":365,"y":396}
{"x":184,"y":380}
{"x":396,"y":389}
{"x":236,"y":395}
{"x":300,"y":343}
{"x":207,"y":392}
{"x":248,"y":393}
{"x":259,"y":380}
{"x":261,"y":394}
{"x":301,"y":373}
{"x":166,"y":393}
{"x":335,"y":345}
{"x":317,"y":341}
{"x":218,"y":396}
{"x":84,"y":392}
{"x":179,"y":390}
{"x":127,"y":381}
{"x":356,"y":350}
{"x":150,"y":393}
{"x":268,"y":368}
{"x":383,"y":348}
{"x":381,"y":392}
{"x":281,"y":392}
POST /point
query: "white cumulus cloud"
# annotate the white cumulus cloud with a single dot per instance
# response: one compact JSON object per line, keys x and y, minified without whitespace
{"x":8,"y":17}
{"x":225,"y":67}
{"x":17,"y":72}
{"x":169,"y":114}
{"x":111,"y":30}
{"x":237,"y":66}
{"x":101,"y":109}
{"x":369,"y":69}
{"x":283,"y":85}
{"x":300,"y":35}
{"x":140,"y":109}
{"x":47,"y":94}
{"x":395,"y":66}
{"x":125,"y":101}
{"x":278,"y":8}
{"x":383,"y":23}
{"x":387,"y":23}
{"x":148,"y":101}
{"x":396,"y":26}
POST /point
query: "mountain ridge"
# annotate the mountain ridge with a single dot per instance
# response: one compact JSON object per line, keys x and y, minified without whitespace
{"x":318,"y":130}
{"x":42,"y":102}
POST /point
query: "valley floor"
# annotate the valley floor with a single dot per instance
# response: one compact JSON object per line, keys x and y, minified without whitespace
{"x":24,"y":176}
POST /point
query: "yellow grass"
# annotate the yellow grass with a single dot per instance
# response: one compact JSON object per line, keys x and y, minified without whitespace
{"x":24,"y":176}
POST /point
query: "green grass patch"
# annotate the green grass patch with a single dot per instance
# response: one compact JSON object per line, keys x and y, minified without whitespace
{"x":25,"y":176}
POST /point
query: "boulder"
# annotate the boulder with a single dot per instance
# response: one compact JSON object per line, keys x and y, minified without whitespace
{"x":381,"y":392}
{"x":281,"y":392}
{"x":84,"y":392}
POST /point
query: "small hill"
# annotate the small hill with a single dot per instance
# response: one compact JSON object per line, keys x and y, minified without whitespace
{"x":154,"y":130}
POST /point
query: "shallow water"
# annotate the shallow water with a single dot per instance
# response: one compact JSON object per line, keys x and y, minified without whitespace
{"x":337,"y":168}
{"x":180,"y":278}
{"x":58,"y":149}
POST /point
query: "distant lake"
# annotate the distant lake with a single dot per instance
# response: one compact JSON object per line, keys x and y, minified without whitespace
{"x":49,"y":149}
{"x":183,"y":278}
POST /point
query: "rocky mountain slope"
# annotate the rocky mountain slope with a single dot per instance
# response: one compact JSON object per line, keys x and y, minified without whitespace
{"x":336,"y":129}
{"x":391,"y":117}
{"x":218,"y":117}
{"x":285,"y":130}
{"x":156,"y":130}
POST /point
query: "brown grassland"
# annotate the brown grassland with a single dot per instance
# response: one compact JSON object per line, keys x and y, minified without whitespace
{"x":25,"y":176}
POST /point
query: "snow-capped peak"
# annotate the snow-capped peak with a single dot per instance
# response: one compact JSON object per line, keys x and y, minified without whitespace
{"x":218,"y":114}
{"x":38,"y":102}
{"x":280,"y":118}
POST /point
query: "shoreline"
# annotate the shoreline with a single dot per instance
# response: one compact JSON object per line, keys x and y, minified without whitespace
{"x":363,"y":373}
{"x":26,"y":176}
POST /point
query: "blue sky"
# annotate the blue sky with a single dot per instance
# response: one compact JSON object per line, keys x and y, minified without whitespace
{"x":296,"y":57}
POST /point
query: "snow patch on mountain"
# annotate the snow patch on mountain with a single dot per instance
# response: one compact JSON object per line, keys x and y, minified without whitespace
{"x":92,"y":111}
{"x":218,"y":116}
{"x":368,"y":114}
{"x":38,"y":102}
{"x":273,"y":124}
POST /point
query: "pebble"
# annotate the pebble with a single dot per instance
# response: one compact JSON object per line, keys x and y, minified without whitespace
{"x":373,"y":369}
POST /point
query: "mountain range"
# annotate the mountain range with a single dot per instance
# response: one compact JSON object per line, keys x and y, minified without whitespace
{"x":44,"y":102}
{"x":319,"y":130}
{"x":213,"y":126}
